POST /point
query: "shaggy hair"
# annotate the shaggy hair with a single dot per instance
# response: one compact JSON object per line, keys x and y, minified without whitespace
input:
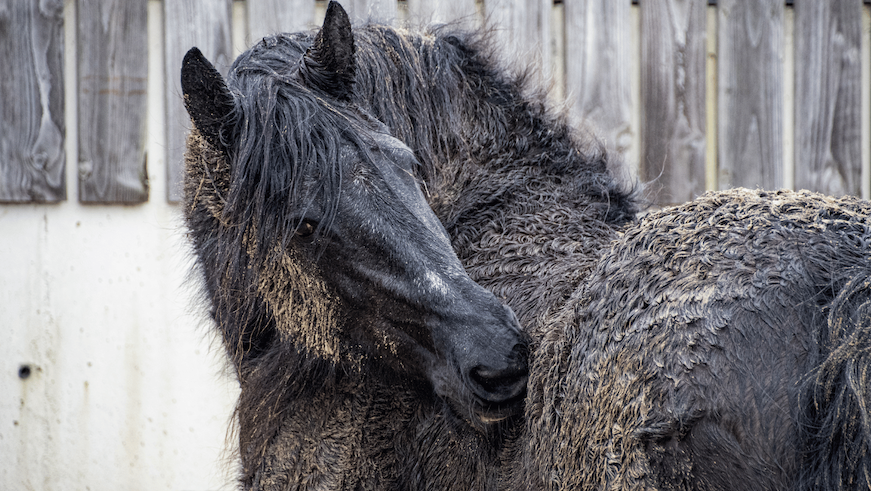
{"x":714,"y":345}
{"x":527,"y":201}
{"x":720,"y":344}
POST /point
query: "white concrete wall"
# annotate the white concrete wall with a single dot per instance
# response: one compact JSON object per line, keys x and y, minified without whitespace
{"x":128,"y":390}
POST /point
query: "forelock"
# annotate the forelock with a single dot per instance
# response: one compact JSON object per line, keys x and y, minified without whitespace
{"x":286,"y":141}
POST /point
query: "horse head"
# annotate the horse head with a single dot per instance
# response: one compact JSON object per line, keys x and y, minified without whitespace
{"x":314,"y":234}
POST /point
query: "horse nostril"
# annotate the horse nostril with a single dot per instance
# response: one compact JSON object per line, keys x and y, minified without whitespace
{"x":503,"y":384}
{"x":499,"y":386}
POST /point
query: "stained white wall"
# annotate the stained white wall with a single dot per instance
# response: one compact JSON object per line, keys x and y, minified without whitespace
{"x":128,"y":390}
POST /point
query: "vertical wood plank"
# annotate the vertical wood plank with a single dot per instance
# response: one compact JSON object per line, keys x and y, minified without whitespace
{"x":828,"y":96}
{"x":673,"y":46}
{"x":380,"y":11}
{"x":750,"y":93}
{"x":31,"y":101}
{"x":522,"y":31}
{"x":270,"y":16}
{"x":557,"y":53}
{"x":788,"y":98}
{"x":866,"y":102}
{"x":112,"y":79}
{"x":597,"y":68}
{"x":711,"y":113}
{"x":463,"y":12}
{"x":206,"y":25}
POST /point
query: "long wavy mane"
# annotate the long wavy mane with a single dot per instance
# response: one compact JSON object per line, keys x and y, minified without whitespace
{"x":495,"y":159}
{"x":527,"y":201}
{"x":459,"y":109}
{"x":443,"y":92}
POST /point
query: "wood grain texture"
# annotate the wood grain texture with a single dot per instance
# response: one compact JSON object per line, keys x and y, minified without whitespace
{"x":206,"y":25}
{"x":522,"y":31}
{"x":270,"y":16}
{"x":828,"y":96}
{"x":597,"y":69}
{"x":673,"y":37}
{"x":112,"y":80}
{"x":750,"y":93}
{"x":31,"y":101}
{"x":423,"y":12}
{"x":380,"y":11}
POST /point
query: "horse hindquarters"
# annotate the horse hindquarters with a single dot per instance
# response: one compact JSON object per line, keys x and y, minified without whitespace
{"x":836,"y":421}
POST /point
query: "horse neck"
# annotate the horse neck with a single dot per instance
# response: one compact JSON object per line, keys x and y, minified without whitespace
{"x":528,"y":204}
{"x":334,"y":426}
{"x":527,"y":207}
{"x":532,"y":244}
{"x":367,"y":433}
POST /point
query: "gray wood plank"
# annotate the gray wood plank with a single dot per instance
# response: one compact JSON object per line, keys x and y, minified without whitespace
{"x":672,"y":126}
{"x":32,"y":126}
{"x":828,"y":96}
{"x":597,"y":74}
{"x":112,"y":79}
{"x":750,"y":93}
{"x":206,"y":25}
{"x":463,"y":12}
{"x":270,"y":16}
{"x":522,"y":32}
{"x":380,"y":11}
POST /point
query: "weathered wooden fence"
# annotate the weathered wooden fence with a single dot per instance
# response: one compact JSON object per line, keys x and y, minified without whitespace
{"x":742,"y":93}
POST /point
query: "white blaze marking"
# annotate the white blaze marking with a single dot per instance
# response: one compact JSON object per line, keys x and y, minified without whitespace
{"x":436,"y":284}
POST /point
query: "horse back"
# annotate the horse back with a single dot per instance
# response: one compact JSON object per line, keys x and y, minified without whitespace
{"x":701,"y":354}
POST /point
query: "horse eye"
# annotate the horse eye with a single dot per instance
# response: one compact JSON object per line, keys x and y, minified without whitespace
{"x":306,"y":229}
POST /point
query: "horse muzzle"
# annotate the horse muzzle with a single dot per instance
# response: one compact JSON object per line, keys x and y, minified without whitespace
{"x":491,"y":370}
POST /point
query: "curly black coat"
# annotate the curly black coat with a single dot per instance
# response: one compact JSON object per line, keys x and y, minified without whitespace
{"x":527,"y":201}
{"x":720,"y":344}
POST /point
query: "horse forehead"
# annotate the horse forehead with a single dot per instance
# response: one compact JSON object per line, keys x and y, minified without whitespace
{"x":384,"y":169}
{"x":389,"y":175}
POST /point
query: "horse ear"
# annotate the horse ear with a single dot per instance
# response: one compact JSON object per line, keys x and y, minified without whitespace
{"x":329,"y":63}
{"x":206,"y":96}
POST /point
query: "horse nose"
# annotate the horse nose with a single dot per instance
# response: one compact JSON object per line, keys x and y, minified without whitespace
{"x":503,"y":383}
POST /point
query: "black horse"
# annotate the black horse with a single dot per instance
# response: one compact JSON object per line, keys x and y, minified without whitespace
{"x":340,"y":301}
{"x":529,"y":208}
{"x":526,"y":202}
{"x":721,"y":344}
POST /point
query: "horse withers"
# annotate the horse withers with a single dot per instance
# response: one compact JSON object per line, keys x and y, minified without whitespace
{"x":340,"y":300}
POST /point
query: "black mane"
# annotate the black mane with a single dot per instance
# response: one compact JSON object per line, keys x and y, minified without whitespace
{"x":496,"y":161}
{"x":457,"y":109}
{"x":527,"y":202}
{"x":460,"y":110}
{"x":279,"y":121}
